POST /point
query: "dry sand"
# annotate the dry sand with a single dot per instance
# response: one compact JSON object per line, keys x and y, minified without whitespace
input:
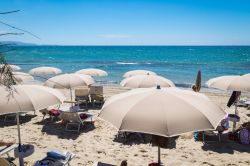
{"x":97,"y":142}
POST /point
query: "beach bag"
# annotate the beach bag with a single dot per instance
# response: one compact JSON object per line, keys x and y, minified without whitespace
{"x":244,"y":136}
{"x":54,"y":112}
{"x":83,"y":116}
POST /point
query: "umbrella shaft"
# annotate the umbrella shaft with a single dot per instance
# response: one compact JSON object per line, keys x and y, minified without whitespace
{"x":159,"y":155}
{"x":18,"y":128}
{"x":21,"y":161}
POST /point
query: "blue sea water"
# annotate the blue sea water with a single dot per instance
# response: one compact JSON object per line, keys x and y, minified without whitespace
{"x":177,"y":63}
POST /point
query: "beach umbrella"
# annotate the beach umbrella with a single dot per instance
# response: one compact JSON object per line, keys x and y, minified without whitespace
{"x":197,"y":86}
{"x":19,"y":77}
{"x":146,"y":81}
{"x":69,"y":81}
{"x":138,"y":72}
{"x":22,"y":77}
{"x":234,"y":83}
{"x":13,"y":67}
{"x":26,"y":98}
{"x":164,"y":112}
{"x":92,"y":72}
{"x":45,"y":71}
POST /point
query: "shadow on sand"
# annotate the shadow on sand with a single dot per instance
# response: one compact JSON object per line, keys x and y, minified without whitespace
{"x":225,"y":146}
{"x":140,"y":138}
{"x":23,"y":119}
{"x":58,"y":129}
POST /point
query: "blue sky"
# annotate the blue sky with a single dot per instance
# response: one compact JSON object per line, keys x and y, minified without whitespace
{"x":130,"y":22}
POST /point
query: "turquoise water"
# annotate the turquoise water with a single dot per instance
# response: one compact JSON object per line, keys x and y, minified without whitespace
{"x":177,"y":63}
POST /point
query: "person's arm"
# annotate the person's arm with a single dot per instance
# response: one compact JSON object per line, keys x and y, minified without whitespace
{"x":3,"y":143}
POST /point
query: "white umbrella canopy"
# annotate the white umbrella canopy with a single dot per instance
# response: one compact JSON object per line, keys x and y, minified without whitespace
{"x":92,"y":72}
{"x":22,"y":77}
{"x":26,"y":98}
{"x":165,"y":112}
{"x":45,"y":71}
{"x":146,"y":81}
{"x":19,"y":77}
{"x":69,"y":81}
{"x":233,"y":82}
{"x":138,"y":72}
{"x":13,"y":67}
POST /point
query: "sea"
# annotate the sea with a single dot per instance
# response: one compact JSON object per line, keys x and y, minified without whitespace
{"x":177,"y":63}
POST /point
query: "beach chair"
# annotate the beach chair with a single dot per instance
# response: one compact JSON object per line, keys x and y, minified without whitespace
{"x":96,"y":95}
{"x":74,"y":119}
{"x":82,"y":96}
{"x":5,"y":150}
{"x":56,"y":158}
{"x":10,"y":118}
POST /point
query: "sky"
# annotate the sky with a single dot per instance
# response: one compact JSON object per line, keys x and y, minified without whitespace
{"x":129,"y":22}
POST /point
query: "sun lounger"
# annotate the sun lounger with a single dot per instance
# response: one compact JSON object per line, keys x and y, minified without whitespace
{"x":5,"y":150}
{"x":74,"y":119}
{"x":10,"y":118}
{"x":96,"y":95}
{"x":82,"y":96}
{"x":56,"y":158}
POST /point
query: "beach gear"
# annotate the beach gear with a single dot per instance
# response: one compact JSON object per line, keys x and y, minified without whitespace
{"x":146,"y":81}
{"x":234,"y":83}
{"x":92,"y":72}
{"x":197,"y":86}
{"x":138,"y":72}
{"x":69,"y":81}
{"x":161,"y":111}
{"x":26,"y":98}
{"x":82,"y":96}
{"x":244,"y":136}
{"x":54,"y":112}
{"x":74,"y":119}
{"x":96,"y":96}
{"x":56,"y":158}
{"x":5,"y":150}
{"x":39,"y":71}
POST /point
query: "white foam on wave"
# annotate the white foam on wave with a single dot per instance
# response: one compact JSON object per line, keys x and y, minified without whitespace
{"x":127,"y":63}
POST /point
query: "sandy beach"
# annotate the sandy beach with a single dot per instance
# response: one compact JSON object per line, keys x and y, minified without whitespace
{"x":98,"y":142}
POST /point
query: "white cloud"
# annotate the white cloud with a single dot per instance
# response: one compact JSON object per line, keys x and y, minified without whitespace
{"x":114,"y":36}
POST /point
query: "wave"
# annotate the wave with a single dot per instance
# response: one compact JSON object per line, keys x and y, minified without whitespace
{"x":127,"y":63}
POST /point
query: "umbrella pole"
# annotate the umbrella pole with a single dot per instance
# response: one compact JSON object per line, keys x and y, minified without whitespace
{"x":21,"y":161}
{"x":71,"y":98}
{"x":159,"y":155}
